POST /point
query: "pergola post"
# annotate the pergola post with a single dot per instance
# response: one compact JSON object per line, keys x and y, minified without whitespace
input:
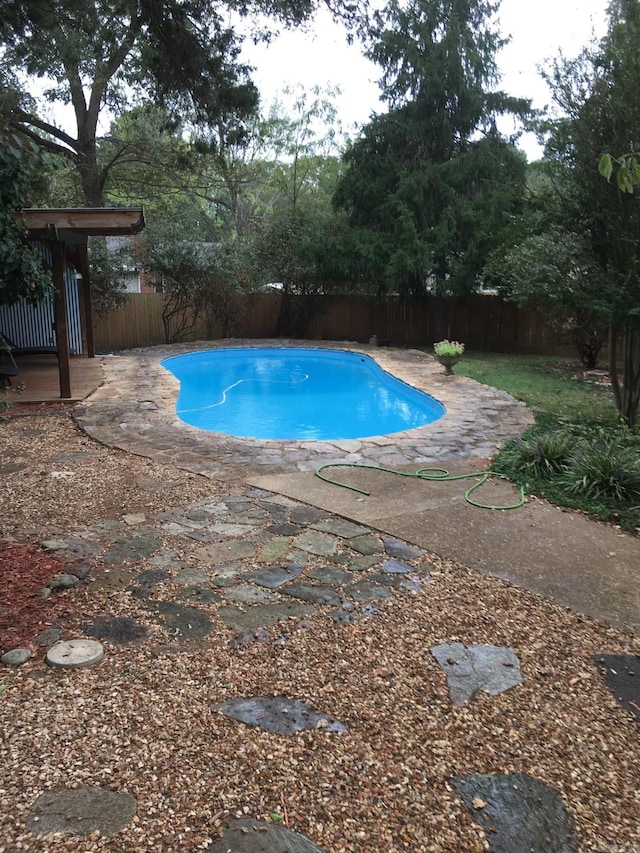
{"x":58,"y":253}
{"x":87,"y":313}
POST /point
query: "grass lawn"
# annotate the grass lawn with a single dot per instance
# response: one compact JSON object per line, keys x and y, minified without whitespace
{"x":579,"y":454}
{"x":549,"y":383}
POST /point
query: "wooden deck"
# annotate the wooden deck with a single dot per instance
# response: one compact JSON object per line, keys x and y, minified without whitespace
{"x":39,"y":379}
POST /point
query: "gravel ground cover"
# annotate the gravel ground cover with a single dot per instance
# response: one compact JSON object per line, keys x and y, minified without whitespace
{"x":146,"y":720}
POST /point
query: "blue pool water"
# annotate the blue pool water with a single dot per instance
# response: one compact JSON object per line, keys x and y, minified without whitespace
{"x":296,"y":394}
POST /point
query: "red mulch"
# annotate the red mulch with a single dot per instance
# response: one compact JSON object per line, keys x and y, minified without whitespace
{"x":24,"y":571}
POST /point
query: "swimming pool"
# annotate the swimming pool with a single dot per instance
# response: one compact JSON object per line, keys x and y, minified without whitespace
{"x":295,"y":394}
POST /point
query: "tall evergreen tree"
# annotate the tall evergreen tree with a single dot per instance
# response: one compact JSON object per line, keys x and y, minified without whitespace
{"x":431,"y":183}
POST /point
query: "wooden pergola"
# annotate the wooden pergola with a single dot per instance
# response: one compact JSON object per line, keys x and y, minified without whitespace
{"x":66,"y":232}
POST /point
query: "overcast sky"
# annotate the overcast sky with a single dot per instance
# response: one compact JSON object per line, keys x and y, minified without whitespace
{"x":539,"y":30}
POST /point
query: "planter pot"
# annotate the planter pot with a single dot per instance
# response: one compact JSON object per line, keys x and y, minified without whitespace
{"x":448,"y":361}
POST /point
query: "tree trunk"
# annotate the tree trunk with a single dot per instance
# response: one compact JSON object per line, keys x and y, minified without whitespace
{"x":626,"y":385}
{"x":91,"y":175}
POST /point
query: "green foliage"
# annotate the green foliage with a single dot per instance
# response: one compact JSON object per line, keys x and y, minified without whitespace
{"x":580,"y":465}
{"x":21,"y":271}
{"x":552,"y":269}
{"x":182,"y":57}
{"x":627,"y":172}
{"x":536,"y":456}
{"x":578,"y":454}
{"x":454,"y":348}
{"x":431,"y":181}
{"x":597,"y":94}
{"x":606,"y":469}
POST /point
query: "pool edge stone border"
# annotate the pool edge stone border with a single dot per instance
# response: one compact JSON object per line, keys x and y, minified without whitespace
{"x":134,"y":410}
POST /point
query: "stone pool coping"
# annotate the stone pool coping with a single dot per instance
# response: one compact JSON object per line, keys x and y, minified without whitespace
{"x":134,"y":410}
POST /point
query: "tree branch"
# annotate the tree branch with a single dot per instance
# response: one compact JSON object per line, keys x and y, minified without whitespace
{"x":47,"y":144}
{"x":21,"y":118}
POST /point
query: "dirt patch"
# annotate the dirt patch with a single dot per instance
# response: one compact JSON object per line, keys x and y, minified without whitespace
{"x":55,"y":478}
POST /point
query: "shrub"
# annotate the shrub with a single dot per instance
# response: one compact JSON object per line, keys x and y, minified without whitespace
{"x":603,"y":470}
{"x":537,"y":456}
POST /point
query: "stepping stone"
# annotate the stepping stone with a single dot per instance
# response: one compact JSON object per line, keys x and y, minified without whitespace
{"x":306,"y":514}
{"x":63,"y":581}
{"x":279,"y":714}
{"x":396,"y":567}
{"x":72,"y":456}
{"x":367,"y":591}
{"x":276,"y":549}
{"x":54,"y":544}
{"x":231,"y":530}
{"x":199,"y":594}
{"x":284,"y":529}
{"x":191,"y":576}
{"x":331,"y":575}
{"x":274,"y":576}
{"x":343,"y":617}
{"x":245,"y":594}
{"x":493,"y":669}
{"x":224,"y":552}
{"x":517,"y":813}
{"x":316,"y":594}
{"x":261,"y":616}
{"x":362,"y":564}
{"x":13,"y":467}
{"x":131,"y":519}
{"x":166,"y":560}
{"x":189,"y":623}
{"x":366,"y":545}
{"x":622,"y":676}
{"x":121,"y":630}
{"x":16,"y":657}
{"x":340,"y":527}
{"x":260,"y":636}
{"x":254,"y":836}
{"x":80,"y":570}
{"x":129,"y":550}
{"x":144,"y":582}
{"x":48,"y":637}
{"x":408,"y":584}
{"x":82,"y":811}
{"x":74,"y":654}
{"x":314,"y":542}
{"x":400,"y":550}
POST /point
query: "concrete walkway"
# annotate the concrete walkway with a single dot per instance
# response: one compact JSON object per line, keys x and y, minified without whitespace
{"x":590,"y":567}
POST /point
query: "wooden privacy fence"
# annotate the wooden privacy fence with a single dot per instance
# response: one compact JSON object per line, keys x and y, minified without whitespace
{"x":482,"y":322}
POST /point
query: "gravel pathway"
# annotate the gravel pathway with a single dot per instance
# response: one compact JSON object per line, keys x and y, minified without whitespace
{"x":204,"y":594}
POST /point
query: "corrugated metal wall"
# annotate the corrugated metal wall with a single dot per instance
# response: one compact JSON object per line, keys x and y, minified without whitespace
{"x":32,"y":325}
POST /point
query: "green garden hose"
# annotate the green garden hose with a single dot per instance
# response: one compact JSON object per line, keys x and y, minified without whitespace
{"x":431,"y":474}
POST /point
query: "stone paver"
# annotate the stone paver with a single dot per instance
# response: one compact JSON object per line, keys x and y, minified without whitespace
{"x":518,"y":813}
{"x":82,"y":811}
{"x":493,"y":669}
{"x":255,"y":836}
{"x":279,"y":714}
{"x":621,"y":674}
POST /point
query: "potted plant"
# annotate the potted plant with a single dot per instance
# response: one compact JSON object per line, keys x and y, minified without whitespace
{"x":448,"y":353}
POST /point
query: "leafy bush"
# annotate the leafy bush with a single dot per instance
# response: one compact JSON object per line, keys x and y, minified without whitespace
{"x":603,"y":470}
{"x":536,"y":456}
